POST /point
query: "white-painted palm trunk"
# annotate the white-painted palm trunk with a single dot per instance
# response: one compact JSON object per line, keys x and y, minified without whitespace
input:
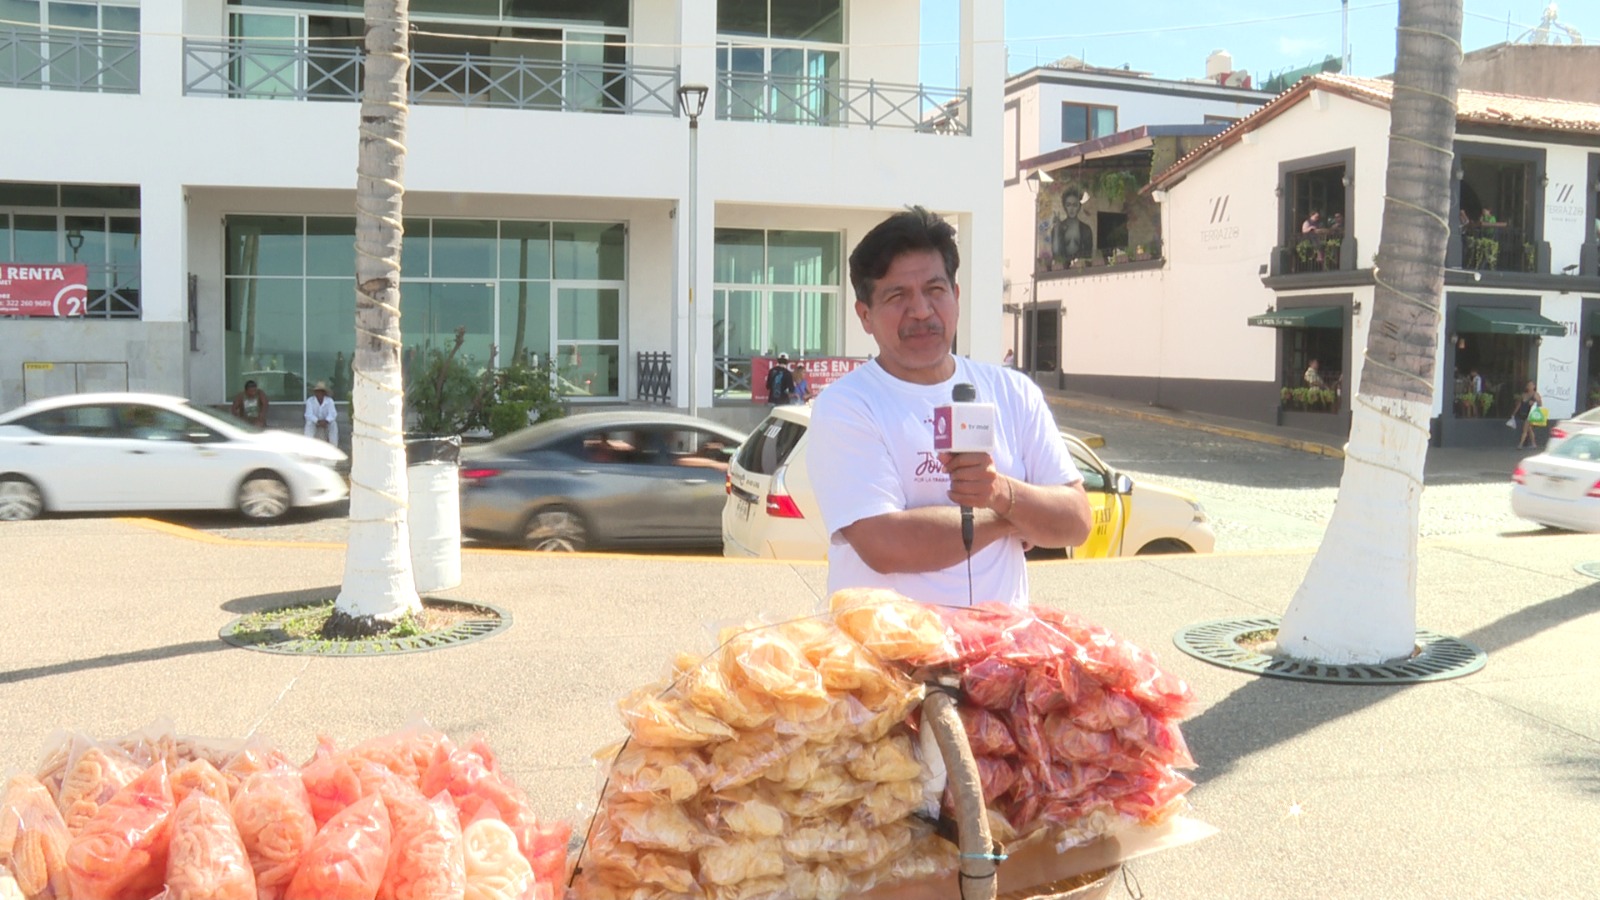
{"x":1358,"y":602}
{"x":378,"y":585}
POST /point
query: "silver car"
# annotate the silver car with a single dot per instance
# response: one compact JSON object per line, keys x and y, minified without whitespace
{"x":130,"y":451}
{"x":600,"y":480}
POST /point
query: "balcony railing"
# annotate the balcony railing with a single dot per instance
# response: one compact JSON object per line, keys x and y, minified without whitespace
{"x":69,"y":61}
{"x":797,"y":100}
{"x":1497,"y":247}
{"x":1322,"y":254}
{"x":306,"y":72}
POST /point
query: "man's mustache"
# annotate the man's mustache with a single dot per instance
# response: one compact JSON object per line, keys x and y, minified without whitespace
{"x":931,"y":328}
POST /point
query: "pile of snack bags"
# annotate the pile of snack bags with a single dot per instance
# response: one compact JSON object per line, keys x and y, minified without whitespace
{"x":787,"y":762}
{"x":407,"y":816}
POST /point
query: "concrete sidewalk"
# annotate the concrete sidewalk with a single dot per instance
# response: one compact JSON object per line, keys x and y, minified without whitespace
{"x":1486,"y":786}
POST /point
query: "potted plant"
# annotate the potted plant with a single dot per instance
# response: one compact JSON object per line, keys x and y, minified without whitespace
{"x":1118,"y":256}
{"x":1079,"y":263}
{"x":1485,"y":400}
{"x":1482,"y":253}
{"x":1330,"y":253}
{"x":1329,"y":397}
{"x":1285,"y":397}
{"x":445,"y":397}
{"x":1140,"y":254}
{"x":1529,"y":257}
{"x":524,"y":393}
{"x":1301,"y":398}
{"x":1305,"y":252}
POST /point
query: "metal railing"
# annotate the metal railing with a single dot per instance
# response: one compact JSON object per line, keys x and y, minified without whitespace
{"x":653,"y":375}
{"x":1320,"y":254}
{"x":1497,"y":247}
{"x":798,"y":100}
{"x":69,"y":61}
{"x":730,"y":375}
{"x":224,"y":68}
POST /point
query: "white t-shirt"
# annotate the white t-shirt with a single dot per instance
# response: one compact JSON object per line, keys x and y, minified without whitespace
{"x":870,"y":452}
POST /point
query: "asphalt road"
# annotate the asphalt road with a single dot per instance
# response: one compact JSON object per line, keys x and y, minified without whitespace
{"x":1259,"y":496}
{"x":1264,"y":497}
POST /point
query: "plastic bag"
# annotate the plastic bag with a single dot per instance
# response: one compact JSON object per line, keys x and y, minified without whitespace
{"x":765,"y":661}
{"x":273,"y":814}
{"x":33,"y":840}
{"x":635,"y":769}
{"x":657,"y":721}
{"x":993,"y":683}
{"x":742,"y":860}
{"x":94,"y":774}
{"x":890,"y":626}
{"x":495,"y":869}
{"x":202,"y":776}
{"x":332,"y":783}
{"x":740,"y":762}
{"x":426,"y":860}
{"x":207,"y":860}
{"x":658,"y":826}
{"x":891,"y":759}
{"x":121,"y":853}
{"x":347,"y":858}
{"x":996,"y":776}
{"x":9,"y":889}
{"x":709,"y":690}
{"x":986,"y":734}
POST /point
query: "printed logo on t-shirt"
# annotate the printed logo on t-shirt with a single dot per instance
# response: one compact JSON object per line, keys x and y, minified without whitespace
{"x":928,"y":470}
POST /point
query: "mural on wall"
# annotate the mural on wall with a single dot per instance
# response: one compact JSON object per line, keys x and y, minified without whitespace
{"x":1093,"y":217}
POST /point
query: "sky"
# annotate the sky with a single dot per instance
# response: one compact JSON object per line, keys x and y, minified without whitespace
{"x":1172,"y":38}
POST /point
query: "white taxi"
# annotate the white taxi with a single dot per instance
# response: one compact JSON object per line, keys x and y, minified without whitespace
{"x":771,"y":510}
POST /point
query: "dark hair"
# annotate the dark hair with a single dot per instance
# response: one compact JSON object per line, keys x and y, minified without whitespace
{"x":912,"y":231}
{"x":250,"y":383}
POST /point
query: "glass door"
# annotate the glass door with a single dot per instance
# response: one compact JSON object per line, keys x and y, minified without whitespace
{"x":589,"y":340}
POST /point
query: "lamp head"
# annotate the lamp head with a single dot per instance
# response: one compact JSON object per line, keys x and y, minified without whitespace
{"x":692,"y":99}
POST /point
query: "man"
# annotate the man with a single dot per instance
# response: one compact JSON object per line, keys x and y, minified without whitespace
{"x":780,"y":382}
{"x":322,"y":417}
{"x":1314,"y":375}
{"x":250,"y":405}
{"x":889,"y":503}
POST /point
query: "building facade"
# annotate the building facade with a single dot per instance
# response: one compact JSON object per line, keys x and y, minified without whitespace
{"x":199,"y":157}
{"x":1086,"y":123}
{"x":1253,"y":289}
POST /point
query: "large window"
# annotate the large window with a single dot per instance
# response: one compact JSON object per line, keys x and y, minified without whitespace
{"x":1499,"y":231}
{"x":537,"y":54}
{"x":779,"y":61}
{"x":92,"y":224}
{"x":531,"y":292}
{"x":1081,"y":122}
{"x":775,"y":292}
{"x":1314,"y":217}
{"x":80,"y":44}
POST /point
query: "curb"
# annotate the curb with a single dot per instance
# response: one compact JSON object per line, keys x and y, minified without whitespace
{"x":1243,"y":434}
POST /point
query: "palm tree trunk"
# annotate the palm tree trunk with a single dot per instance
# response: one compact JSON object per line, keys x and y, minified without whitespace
{"x":1358,"y":602}
{"x":378,"y":586}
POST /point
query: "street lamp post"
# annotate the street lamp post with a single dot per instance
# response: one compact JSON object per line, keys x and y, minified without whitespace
{"x":75,"y":242}
{"x":692,"y":101}
{"x":1034,"y":179}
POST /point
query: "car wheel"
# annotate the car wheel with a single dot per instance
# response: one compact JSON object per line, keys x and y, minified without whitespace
{"x":1164,"y":545}
{"x":264,"y":497}
{"x":20,"y":499}
{"x":555,"y":529}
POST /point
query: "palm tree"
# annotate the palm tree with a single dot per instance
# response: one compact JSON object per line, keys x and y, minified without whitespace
{"x":378,"y":588}
{"x":1358,"y":602}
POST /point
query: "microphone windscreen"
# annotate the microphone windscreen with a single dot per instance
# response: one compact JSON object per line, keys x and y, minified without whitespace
{"x":964,"y":393}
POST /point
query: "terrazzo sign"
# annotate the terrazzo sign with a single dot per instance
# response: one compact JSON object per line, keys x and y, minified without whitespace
{"x":1564,"y":203}
{"x":1219,"y":232}
{"x":44,"y":290}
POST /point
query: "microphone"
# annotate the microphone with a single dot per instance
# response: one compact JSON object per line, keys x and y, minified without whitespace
{"x":965,"y":426}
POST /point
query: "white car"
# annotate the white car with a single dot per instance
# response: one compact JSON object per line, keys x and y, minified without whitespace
{"x":771,"y":510}
{"x":1560,"y":488}
{"x":1560,"y":431}
{"x":95,"y":452}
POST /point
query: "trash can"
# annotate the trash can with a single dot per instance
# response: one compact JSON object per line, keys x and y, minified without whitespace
{"x":433,"y":468}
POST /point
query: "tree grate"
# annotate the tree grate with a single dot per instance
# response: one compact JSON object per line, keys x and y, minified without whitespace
{"x":1591,"y":569}
{"x":1436,"y":657}
{"x":493,"y":620}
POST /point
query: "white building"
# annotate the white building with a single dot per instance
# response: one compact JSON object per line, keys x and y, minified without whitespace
{"x":199,"y":156}
{"x":1068,"y":114}
{"x":1246,"y":299}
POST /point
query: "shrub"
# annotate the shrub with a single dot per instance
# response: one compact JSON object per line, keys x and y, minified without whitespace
{"x":444,"y":396}
{"x":524,"y":393}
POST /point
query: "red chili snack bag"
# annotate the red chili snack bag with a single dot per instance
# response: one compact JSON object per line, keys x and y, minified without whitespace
{"x":121,"y":854}
{"x":273,"y":815}
{"x":33,"y":840}
{"x":347,"y":858}
{"x":207,"y":860}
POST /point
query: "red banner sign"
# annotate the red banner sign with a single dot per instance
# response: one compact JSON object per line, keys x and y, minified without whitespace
{"x":44,"y":290}
{"x":821,"y":371}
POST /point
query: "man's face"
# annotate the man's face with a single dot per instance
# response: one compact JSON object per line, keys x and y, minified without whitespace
{"x":913,"y":317}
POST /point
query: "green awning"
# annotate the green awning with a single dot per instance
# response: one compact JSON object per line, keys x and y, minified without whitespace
{"x":1506,"y":321}
{"x":1301,"y":317}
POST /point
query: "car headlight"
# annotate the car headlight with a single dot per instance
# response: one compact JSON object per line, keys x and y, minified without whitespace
{"x":1199,"y":513}
{"x":316,"y":460}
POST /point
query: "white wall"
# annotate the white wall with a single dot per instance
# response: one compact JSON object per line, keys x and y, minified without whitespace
{"x":883,"y":38}
{"x":1134,"y":108}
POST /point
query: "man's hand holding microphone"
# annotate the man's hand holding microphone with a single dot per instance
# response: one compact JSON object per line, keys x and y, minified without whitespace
{"x":963,"y":435}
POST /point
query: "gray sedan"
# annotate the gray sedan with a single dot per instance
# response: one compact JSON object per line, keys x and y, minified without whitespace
{"x":600,"y":480}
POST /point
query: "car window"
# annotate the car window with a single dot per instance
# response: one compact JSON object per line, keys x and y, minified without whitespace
{"x":150,"y":423}
{"x":73,"y":421}
{"x":1094,"y":478}
{"x":621,"y":446}
{"x":769,"y":446}
{"x":1583,"y":447}
{"x":696,"y":447}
